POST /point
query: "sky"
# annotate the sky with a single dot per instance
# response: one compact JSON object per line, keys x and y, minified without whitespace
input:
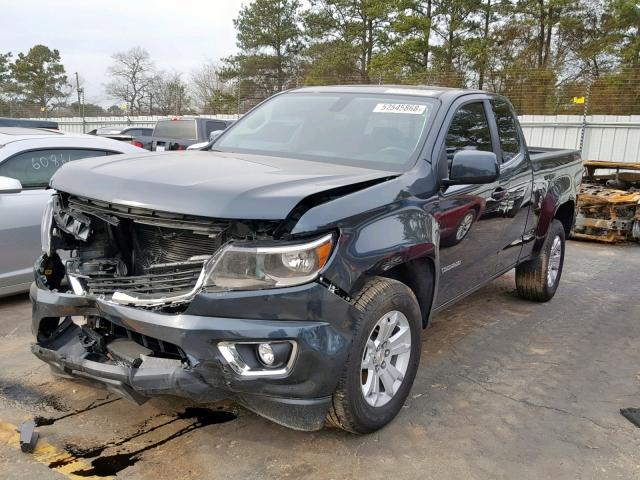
{"x":179,"y":35}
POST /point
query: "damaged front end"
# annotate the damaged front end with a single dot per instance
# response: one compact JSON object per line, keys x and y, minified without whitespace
{"x":147,"y":303}
{"x":608,"y":207}
{"x":134,"y":256}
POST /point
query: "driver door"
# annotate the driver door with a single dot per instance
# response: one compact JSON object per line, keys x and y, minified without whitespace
{"x":467,"y":215}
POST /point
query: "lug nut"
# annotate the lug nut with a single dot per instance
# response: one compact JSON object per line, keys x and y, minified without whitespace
{"x":387,"y":353}
{"x":384,"y":364}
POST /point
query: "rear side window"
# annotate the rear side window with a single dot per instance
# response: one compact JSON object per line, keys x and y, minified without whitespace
{"x":507,"y":129}
{"x":469,"y":130}
{"x":35,"y":168}
{"x":176,"y":129}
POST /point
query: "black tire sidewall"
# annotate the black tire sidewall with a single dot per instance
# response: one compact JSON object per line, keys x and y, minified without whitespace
{"x":397,"y":297}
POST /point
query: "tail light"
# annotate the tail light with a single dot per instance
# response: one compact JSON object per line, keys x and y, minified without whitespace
{"x":177,"y":146}
{"x":136,"y":143}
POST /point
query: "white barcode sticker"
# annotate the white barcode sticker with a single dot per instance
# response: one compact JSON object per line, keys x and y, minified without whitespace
{"x":400,"y":108}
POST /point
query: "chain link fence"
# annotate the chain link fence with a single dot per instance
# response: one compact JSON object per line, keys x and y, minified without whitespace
{"x":532,"y":92}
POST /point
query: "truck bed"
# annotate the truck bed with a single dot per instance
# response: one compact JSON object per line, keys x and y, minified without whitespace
{"x":542,"y":157}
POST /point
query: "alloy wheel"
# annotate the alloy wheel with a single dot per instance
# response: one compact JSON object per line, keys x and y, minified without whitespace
{"x":555,"y":256}
{"x":386,"y":358}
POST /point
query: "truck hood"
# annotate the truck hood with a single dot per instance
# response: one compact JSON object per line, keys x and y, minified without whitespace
{"x":209,"y":184}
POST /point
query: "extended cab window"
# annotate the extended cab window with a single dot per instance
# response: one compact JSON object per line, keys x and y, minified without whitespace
{"x":35,"y":168}
{"x":507,"y":129}
{"x":469,"y":130}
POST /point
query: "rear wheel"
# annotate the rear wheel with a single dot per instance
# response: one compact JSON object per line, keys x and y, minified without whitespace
{"x":383,"y":359}
{"x":538,"y":278}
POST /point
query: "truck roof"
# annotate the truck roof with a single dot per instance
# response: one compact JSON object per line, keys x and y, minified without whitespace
{"x":416,"y":90}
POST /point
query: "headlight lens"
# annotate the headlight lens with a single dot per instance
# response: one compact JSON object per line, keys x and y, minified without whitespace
{"x":45,"y":227}
{"x":238,"y":267}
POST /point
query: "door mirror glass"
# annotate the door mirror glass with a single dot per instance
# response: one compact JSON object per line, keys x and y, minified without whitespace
{"x":10,"y":185}
{"x":473,"y":167}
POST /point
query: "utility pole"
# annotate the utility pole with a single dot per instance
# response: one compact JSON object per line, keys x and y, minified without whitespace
{"x":80,"y":92}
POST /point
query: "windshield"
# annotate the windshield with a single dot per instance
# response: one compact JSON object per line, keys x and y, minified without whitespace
{"x":369,"y":130}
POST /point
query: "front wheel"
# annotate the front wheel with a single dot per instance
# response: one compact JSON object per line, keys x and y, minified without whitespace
{"x":383,"y":359}
{"x":538,"y":279}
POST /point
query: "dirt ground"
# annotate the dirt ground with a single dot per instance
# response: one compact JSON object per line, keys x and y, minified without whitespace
{"x":507,"y":389}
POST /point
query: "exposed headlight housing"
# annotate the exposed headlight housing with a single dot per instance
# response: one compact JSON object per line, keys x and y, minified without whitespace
{"x":246,"y":267}
{"x":45,"y":227}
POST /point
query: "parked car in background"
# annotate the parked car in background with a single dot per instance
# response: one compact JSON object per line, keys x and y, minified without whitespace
{"x":293,"y":267}
{"x":178,"y":133}
{"x":138,"y":136}
{"x":28,"y":159}
{"x":28,"y":123}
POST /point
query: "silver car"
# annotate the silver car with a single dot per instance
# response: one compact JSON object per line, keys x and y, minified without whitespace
{"x":28,"y":159}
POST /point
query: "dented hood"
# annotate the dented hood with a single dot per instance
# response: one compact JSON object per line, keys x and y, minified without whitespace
{"x":211,"y":184}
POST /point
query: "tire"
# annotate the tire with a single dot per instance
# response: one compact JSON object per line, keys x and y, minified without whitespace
{"x":533,"y":278}
{"x":384,"y":305}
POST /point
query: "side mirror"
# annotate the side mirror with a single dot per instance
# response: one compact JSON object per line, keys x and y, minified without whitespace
{"x":10,"y":185}
{"x":470,"y":167}
{"x":214,"y":135}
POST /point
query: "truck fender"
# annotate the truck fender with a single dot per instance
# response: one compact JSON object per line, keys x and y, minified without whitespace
{"x":559,"y":191}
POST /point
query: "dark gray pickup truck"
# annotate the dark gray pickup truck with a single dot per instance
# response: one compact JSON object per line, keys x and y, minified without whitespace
{"x":293,"y":266}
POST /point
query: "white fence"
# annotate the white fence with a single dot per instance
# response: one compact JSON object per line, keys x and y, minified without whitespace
{"x":607,"y":137}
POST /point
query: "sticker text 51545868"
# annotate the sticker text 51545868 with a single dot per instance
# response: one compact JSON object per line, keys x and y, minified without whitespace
{"x":414,"y":109}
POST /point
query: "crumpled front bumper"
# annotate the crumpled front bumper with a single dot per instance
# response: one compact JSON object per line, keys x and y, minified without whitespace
{"x":318,"y":321}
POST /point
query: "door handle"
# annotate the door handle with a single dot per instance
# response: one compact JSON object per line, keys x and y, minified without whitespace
{"x":499,"y":194}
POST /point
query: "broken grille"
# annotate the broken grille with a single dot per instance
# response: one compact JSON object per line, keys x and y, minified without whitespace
{"x":174,"y":282}
{"x":139,"y":251}
{"x":159,"y":347}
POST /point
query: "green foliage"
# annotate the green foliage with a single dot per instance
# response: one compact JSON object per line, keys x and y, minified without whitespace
{"x":39,"y":76}
{"x":344,"y":36}
{"x":5,"y":69}
{"x":269,"y":39}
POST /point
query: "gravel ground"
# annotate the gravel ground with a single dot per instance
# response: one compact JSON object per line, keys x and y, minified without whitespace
{"x":506,"y":389}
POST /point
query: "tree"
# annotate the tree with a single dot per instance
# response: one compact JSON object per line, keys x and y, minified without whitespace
{"x":624,"y":18}
{"x":457,"y":20}
{"x":269,"y":40}
{"x":409,"y":52}
{"x":40,"y":77}
{"x":169,"y":93}
{"x":90,"y":109}
{"x":211,"y":93}
{"x":356,"y":28}
{"x":5,"y":70}
{"x":132,"y":74}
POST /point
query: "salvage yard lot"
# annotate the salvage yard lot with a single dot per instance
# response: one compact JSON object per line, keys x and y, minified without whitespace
{"x":506,"y":389}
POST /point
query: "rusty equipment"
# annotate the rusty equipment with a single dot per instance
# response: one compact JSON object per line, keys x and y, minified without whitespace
{"x":609,"y":203}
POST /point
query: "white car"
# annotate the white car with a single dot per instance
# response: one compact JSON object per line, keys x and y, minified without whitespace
{"x":28,"y":159}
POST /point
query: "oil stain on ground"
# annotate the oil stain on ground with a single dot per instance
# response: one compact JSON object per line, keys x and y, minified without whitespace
{"x":108,"y":465}
{"x":30,"y":397}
